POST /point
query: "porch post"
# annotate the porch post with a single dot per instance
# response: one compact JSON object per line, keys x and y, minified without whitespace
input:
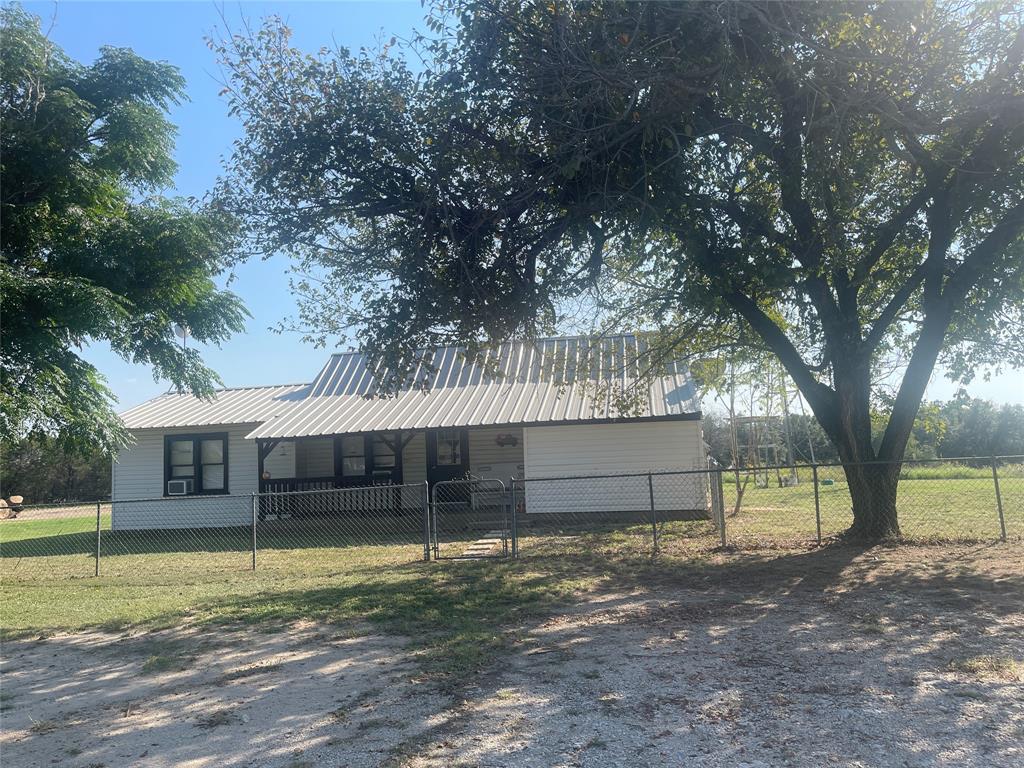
{"x":399,"y":448}
{"x":261,"y":453}
{"x":426,"y":520}
{"x":338,"y":459}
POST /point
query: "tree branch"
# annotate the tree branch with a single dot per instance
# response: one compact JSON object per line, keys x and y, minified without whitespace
{"x":893,"y":308}
{"x":821,"y":398}
{"x":888,"y":232}
{"x":984,"y":255}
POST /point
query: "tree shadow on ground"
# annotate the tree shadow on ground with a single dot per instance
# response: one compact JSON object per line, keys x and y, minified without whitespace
{"x":639,"y":660}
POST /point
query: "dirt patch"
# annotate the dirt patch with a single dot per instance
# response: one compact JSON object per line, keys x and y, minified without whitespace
{"x":228,"y":697}
{"x":902,"y":656}
{"x":52,"y":512}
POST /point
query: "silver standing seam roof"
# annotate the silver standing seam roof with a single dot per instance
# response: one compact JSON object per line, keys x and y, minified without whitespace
{"x":243,"y":405}
{"x":564,"y":380}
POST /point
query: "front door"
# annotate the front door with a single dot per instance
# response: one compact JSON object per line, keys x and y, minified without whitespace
{"x":447,"y":454}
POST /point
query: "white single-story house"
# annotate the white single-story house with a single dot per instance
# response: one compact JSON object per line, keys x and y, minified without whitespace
{"x":534,"y":409}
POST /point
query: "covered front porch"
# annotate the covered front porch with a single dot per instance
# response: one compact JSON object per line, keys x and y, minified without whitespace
{"x":400,"y":457}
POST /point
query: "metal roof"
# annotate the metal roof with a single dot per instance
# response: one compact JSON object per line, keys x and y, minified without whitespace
{"x":246,"y":405}
{"x":547,"y":381}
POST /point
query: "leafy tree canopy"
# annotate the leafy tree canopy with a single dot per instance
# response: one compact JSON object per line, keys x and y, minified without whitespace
{"x":88,"y":251}
{"x":839,"y":183}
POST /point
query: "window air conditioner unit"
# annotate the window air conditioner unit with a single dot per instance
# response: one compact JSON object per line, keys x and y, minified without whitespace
{"x":179,"y":487}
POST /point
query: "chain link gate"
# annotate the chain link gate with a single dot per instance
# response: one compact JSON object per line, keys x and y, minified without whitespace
{"x":470,"y":519}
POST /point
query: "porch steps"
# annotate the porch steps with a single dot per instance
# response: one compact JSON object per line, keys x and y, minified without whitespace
{"x":485,"y":546}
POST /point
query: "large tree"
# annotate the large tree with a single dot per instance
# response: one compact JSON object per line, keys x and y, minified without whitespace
{"x":841,"y":184}
{"x":87,"y":251}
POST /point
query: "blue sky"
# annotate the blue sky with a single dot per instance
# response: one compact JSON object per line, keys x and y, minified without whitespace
{"x":174,"y":31}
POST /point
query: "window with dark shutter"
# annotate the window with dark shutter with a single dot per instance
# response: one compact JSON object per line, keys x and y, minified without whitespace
{"x":195,"y":464}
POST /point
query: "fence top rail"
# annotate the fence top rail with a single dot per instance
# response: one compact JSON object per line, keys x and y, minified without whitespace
{"x":351,"y":489}
{"x":840,"y":464}
{"x":472,"y":481}
{"x":768,"y":468}
{"x":211,"y":498}
{"x":204,"y":498}
{"x":60,"y":504}
{"x":615,"y":475}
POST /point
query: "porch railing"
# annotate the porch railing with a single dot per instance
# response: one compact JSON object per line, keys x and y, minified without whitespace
{"x":292,"y":484}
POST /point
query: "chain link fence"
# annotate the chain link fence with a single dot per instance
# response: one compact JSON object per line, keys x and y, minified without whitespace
{"x":948,"y":500}
{"x":610,"y":513}
{"x":329,"y":531}
{"x":470,"y":518}
{"x":296,"y":533}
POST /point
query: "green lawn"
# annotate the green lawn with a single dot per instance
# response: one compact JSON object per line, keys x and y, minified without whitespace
{"x":455,"y":612}
{"x":453,"y":609}
{"x":958,"y":508}
{"x":65,"y":548}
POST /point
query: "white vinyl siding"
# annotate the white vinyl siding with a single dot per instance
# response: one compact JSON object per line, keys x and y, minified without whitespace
{"x":490,"y":460}
{"x":138,"y":473}
{"x":612,"y":449}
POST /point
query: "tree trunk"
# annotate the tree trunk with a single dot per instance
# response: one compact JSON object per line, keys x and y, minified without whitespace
{"x":873,"y":493}
{"x":872,"y":484}
{"x":844,"y":411}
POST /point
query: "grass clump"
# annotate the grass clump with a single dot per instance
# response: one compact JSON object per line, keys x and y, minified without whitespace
{"x":156,"y":664}
{"x":217,"y":718}
{"x":990,"y":666}
{"x":40,"y":727}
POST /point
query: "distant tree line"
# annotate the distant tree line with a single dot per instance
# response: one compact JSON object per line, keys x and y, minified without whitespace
{"x":42,"y":468}
{"x":959,"y":427}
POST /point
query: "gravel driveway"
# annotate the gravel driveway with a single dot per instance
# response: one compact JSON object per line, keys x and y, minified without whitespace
{"x":902,"y":657}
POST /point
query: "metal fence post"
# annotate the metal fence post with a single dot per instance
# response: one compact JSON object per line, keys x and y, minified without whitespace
{"x":432,"y":501}
{"x":515,"y":520}
{"x":817,"y":502}
{"x":506,"y":532}
{"x":426,"y":520}
{"x":654,"y":513}
{"x":98,"y":537}
{"x":255,"y":505}
{"x":999,"y":502}
{"x":721,"y":507}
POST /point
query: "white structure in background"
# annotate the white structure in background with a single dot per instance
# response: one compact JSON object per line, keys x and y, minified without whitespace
{"x":528,"y":409}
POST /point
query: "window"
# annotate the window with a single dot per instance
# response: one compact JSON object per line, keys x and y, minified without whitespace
{"x":200,"y":460}
{"x":383,"y":454}
{"x":211,"y":460}
{"x":353,"y":456}
{"x":182,"y":463}
{"x":449,"y":447}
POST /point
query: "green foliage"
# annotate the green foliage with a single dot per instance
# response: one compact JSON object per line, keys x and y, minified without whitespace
{"x":975,"y":427}
{"x":838,"y":183}
{"x":89,"y":252}
{"x":42,"y":469}
{"x":958,"y":428}
{"x":547,"y":147}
